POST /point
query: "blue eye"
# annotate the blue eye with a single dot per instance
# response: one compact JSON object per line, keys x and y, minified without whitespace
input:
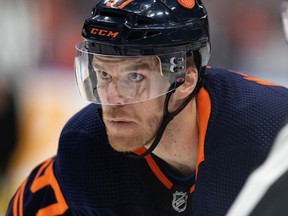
{"x":136,"y":77}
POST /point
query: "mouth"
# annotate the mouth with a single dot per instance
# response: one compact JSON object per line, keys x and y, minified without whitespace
{"x":119,"y":120}
{"x":120,"y":123}
{"x":120,"y":127}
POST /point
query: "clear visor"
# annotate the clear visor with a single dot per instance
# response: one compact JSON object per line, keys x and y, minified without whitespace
{"x":284,"y":13}
{"x":118,"y":80}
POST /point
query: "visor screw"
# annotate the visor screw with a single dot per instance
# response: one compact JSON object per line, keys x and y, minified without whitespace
{"x":176,"y":61}
{"x":175,"y":69}
{"x":173,"y":60}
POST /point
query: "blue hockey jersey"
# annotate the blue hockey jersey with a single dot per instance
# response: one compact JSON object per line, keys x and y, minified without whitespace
{"x":239,"y":117}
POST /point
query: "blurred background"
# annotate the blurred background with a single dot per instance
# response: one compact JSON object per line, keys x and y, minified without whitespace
{"x":37,"y":88}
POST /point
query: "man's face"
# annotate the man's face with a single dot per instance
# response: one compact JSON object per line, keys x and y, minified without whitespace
{"x":120,"y":82}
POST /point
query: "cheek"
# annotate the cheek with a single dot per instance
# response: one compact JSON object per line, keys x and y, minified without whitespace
{"x":150,"y":111}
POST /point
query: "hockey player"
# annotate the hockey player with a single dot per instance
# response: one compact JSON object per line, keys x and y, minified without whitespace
{"x":165,"y":134}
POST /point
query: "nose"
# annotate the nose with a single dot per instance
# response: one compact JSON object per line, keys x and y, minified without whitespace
{"x":114,"y":97}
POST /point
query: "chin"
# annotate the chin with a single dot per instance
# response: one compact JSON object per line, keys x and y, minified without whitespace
{"x":124,"y":145}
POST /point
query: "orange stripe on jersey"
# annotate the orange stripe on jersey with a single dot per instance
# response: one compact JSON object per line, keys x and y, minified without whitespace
{"x":140,"y":151}
{"x":257,"y":80}
{"x":18,"y":200}
{"x":155,"y":169}
{"x":22,"y":198}
{"x":16,"y":203}
{"x":41,"y":181}
{"x":48,"y":179}
{"x":204,"y":110}
{"x":192,"y":188}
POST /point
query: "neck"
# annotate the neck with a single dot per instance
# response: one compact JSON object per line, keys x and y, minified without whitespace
{"x":179,"y":143}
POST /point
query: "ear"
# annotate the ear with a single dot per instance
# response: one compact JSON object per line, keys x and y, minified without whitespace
{"x":189,"y":85}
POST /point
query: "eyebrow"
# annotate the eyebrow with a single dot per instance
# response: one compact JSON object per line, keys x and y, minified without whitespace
{"x":98,"y":66}
{"x":131,"y":68}
{"x":137,"y":67}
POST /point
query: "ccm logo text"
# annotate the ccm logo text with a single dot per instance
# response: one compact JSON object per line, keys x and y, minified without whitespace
{"x":104,"y":32}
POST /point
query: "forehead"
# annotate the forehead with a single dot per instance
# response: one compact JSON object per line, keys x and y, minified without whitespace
{"x":108,"y":60}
